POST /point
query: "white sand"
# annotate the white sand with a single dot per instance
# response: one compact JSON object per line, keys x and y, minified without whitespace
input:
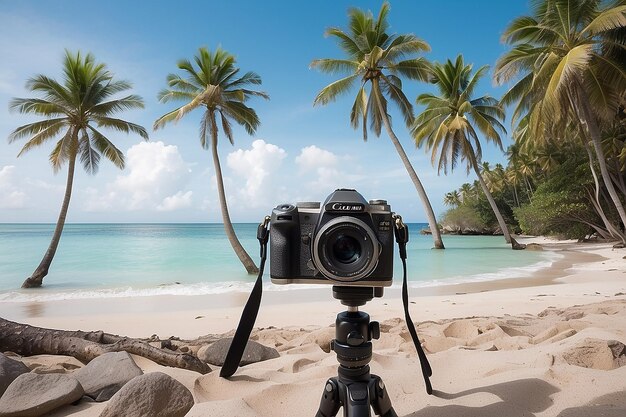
{"x":495,"y":350}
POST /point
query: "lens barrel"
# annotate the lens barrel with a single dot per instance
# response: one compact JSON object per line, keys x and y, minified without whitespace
{"x":345,"y":249}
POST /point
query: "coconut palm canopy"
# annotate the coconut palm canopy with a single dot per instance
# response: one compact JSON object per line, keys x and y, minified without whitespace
{"x":214,"y":84}
{"x":448,"y":124}
{"x":76,"y":109}
{"x":372,"y":54}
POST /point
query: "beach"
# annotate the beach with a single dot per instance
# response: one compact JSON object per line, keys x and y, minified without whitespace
{"x":531,"y":346}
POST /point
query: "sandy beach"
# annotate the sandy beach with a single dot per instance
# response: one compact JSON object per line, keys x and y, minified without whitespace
{"x":543,"y":345}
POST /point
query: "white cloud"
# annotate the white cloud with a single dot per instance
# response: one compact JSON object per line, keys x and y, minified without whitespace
{"x":324,"y":171}
{"x":177,"y":201}
{"x":258,"y":168}
{"x":10,"y":196}
{"x":313,"y":158}
{"x":156,"y":175}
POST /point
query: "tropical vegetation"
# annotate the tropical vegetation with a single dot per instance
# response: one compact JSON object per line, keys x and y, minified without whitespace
{"x":74,"y":109}
{"x":215,"y":86}
{"x":566,"y":169}
{"x":377,"y":59}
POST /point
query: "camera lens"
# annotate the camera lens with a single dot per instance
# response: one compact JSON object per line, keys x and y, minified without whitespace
{"x":346,"y":249}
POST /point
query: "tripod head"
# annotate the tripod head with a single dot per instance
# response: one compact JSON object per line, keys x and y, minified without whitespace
{"x":356,"y":296}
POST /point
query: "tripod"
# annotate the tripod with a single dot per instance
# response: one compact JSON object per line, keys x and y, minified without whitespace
{"x":355,"y":389}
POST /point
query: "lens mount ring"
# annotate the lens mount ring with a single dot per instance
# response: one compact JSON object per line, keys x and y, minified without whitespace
{"x":341,"y":271}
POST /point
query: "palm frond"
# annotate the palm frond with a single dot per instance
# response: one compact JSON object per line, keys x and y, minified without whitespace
{"x":335,"y":66}
{"x":106,"y":148}
{"x":331,"y":91}
{"x":393,"y":87}
{"x":243,"y":115}
{"x":36,"y":106}
{"x":121,"y":125}
{"x":358,"y":114}
{"x":129,"y":102}
{"x":44,"y":134}
{"x":89,"y":157}
{"x":227,"y":129}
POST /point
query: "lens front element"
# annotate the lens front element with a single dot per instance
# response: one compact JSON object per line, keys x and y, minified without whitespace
{"x":345,"y":249}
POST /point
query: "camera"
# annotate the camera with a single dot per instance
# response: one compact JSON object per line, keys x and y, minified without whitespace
{"x":344,"y":241}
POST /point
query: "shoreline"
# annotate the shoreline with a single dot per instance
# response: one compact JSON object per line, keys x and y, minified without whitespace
{"x":219,"y":313}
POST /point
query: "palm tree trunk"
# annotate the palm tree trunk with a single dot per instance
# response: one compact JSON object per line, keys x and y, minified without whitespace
{"x":596,"y":202}
{"x":430,"y":214}
{"x":494,"y":207}
{"x":589,"y":121}
{"x":241,"y":253}
{"x":36,"y":279}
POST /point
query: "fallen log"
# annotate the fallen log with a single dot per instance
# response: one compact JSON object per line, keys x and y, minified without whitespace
{"x":28,"y":340}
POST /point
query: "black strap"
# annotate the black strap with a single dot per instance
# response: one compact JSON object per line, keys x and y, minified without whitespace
{"x":250,"y":311}
{"x":402,"y":237}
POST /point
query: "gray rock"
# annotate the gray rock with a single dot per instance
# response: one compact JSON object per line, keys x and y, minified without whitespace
{"x":9,"y":370}
{"x":106,"y":374}
{"x":151,"y":395}
{"x":33,"y":395}
{"x":215,"y":353}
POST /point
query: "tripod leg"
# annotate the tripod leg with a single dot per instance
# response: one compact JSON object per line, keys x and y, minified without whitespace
{"x":357,"y":399}
{"x":330,"y":402}
{"x":381,"y":403}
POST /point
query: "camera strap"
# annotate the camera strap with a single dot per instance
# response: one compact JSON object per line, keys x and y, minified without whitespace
{"x":250,"y":311}
{"x":402,"y":237}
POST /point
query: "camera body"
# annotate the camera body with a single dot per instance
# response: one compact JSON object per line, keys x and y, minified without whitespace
{"x":344,"y":241}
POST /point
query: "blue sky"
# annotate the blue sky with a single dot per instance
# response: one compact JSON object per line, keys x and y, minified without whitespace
{"x":300,"y":152}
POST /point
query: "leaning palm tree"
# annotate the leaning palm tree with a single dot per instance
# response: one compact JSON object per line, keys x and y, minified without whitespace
{"x":570,"y":57}
{"x":450,"y":124}
{"x":214,"y":85}
{"x":74,"y":109}
{"x":375,"y":58}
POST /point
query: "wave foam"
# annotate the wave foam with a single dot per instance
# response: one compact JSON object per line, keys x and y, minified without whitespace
{"x":21,"y":296}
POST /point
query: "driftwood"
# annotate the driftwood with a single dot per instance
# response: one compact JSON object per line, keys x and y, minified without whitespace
{"x":28,"y":340}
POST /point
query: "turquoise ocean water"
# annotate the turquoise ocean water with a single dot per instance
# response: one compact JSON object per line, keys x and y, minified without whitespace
{"x":114,"y":260}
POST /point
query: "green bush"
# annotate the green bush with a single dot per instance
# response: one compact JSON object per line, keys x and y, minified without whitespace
{"x":464,"y":219}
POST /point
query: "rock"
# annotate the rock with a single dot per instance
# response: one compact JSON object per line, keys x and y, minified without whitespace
{"x":32,"y":395}
{"x":534,"y":246}
{"x":150,"y":395}
{"x":9,"y":370}
{"x":215,"y":353}
{"x":106,"y":374}
{"x":619,"y":245}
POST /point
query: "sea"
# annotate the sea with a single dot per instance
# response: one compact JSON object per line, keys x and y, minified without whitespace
{"x":132,"y":260}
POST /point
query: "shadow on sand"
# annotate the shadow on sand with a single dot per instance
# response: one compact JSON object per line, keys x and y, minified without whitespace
{"x":520,"y":398}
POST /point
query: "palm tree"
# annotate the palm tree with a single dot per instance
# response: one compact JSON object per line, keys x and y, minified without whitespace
{"x":571,"y":60}
{"x":453,"y":199}
{"x":215,"y":85}
{"x":375,"y":58}
{"x":74,"y":109}
{"x":448,"y":126}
